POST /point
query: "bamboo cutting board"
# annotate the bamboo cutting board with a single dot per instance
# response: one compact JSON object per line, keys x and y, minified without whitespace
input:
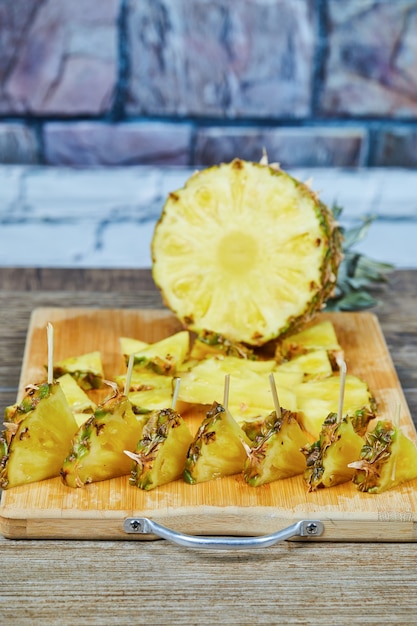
{"x":226,"y":506}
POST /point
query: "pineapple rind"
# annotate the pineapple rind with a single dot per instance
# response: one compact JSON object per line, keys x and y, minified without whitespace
{"x":224,"y":265}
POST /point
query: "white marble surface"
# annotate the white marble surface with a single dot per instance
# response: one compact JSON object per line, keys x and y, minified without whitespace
{"x":104,"y":217}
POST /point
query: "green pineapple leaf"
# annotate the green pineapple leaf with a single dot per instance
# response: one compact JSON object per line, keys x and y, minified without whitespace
{"x":357,"y":272}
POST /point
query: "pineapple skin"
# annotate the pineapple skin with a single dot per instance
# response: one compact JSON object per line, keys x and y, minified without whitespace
{"x":96,"y":451}
{"x":161,"y":452}
{"x":311,"y":298}
{"x":37,"y":436}
{"x":217,"y":449}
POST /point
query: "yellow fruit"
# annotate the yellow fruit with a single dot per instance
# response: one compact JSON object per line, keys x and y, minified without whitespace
{"x":246,"y":251}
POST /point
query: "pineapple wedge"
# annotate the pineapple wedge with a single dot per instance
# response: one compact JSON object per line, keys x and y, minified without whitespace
{"x":160,"y":455}
{"x":388,"y":458}
{"x":37,"y":436}
{"x":246,"y":251}
{"x":277,"y":450}
{"x":316,"y":398}
{"x":147,"y":391}
{"x":80,"y":404}
{"x":86,"y":369}
{"x":129,"y":346}
{"x":328,"y":458}
{"x":217,"y":449}
{"x":320,"y":336}
{"x":165,"y":356}
{"x":96,"y":452}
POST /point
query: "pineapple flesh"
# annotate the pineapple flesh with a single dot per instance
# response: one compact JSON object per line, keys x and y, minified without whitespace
{"x":246,"y":251}
{"x":159,"y":457}
{"x":218,"y":448}
{"x":37,"y":436}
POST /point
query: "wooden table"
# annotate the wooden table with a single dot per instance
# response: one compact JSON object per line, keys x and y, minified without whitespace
{"x":92,"y":582}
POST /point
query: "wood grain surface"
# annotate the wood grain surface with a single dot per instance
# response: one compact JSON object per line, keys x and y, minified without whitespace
{"x":103,"y":583}
{"x":224,"y":506}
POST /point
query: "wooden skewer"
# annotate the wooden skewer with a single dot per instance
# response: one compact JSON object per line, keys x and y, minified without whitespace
{"x":129,"y":373}
{"x":226,"y":391}
{"x":275,"y":395}
{"x":50,"y":340}
{"x":175,"y":394}
{"x":342,"y":368}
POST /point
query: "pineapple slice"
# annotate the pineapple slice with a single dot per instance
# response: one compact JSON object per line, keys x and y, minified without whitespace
{"x":165,"y":356}
{"x":37,"y":436}
{"x":246,"y":251}
{"x":217,"y":449}
{"x":387,"y":459}
{"x":160,"y":455}
{"x":96,"y":452}
{"x":86,"y":369}
{"x":328,"y":458}
{"x":129,"y":346}
{"x":80,"y":404}
{"x":277,"y":450}
{"x":316,"y":398}
{"x":320,"y":336}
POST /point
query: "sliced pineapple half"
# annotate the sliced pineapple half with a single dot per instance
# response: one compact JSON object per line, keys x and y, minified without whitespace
{"x":245,"y":250}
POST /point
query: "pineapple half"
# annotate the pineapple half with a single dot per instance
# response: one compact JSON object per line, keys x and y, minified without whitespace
{"x":245,"y":250}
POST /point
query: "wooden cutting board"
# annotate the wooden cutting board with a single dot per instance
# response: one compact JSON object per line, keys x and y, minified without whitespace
{"x":226,"y":506}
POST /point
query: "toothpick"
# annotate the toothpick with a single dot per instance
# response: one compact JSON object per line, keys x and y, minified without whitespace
{"x":175,"y":394}
{"x":397,"y":415}
{"x":275,"y":395}
{"x":226,"y":391}
{"x":129,"y":373}
{"x":50,"y":340}
{"x":342,"y":368}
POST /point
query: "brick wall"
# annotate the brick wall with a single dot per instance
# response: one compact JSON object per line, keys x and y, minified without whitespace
{"x":194,"y":82}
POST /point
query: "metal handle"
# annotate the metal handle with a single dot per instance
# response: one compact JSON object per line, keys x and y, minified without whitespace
{"x":145,"y":526}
